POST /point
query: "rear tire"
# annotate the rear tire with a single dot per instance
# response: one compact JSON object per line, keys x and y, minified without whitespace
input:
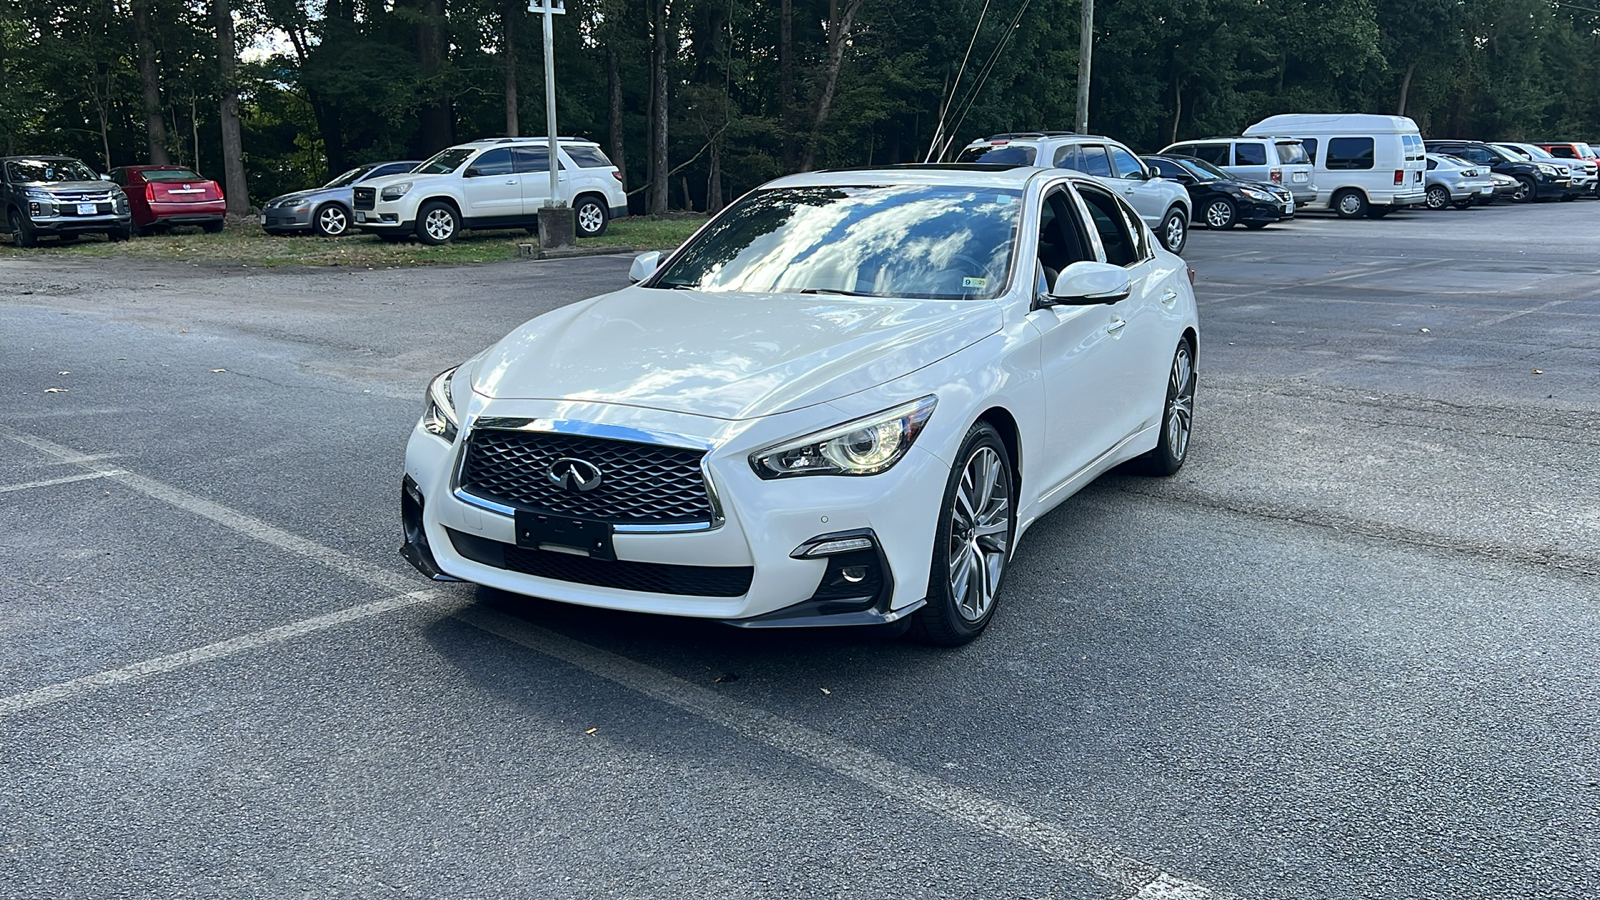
{"x":1462,"y":204}
{"x":591,"y":217}
{"x":1438,"y":196}
{"x":1350,"y":204}
{"x":972,"y":542}
{"x":23,"y":233}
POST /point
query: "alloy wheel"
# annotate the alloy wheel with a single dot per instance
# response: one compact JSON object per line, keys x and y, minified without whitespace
{"x":1175,"y":233}
{"x":590,"y":218}
{"x":332,"y":221}
{"x":980,"y":533}
{"x":440,"y":224}
{"x":1219,"y":214}
{"x":1180,"y":405}
{"x":1438,"y":197}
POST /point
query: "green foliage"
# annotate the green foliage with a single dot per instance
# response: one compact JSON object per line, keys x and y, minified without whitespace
{"x":327,"y":84}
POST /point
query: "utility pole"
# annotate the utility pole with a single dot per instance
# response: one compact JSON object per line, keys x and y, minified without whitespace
{"x":1085,"y":54}
{"x":557,"y":230}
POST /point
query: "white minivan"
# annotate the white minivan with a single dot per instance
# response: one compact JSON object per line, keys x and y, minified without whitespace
{"x":1366,"y":165}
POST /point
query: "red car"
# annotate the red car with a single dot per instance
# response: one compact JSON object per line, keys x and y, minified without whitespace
{"x":162,"y":196}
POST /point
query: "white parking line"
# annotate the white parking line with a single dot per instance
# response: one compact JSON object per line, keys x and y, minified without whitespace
{"x":50,"y":482}
{"x":1137,"y":879}
{"x":77,"y":687}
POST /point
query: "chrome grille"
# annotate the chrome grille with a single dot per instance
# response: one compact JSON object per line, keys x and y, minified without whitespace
{"x":641,"y":483}
{"x":366,"y":198}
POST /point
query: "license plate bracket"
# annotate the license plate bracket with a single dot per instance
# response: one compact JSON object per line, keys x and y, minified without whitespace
{"x":588,"y":535}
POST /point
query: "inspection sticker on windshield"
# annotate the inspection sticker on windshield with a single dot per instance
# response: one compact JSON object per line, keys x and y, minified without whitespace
{"x":979,"y":283}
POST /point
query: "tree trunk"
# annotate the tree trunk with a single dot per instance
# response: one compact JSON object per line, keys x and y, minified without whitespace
{"x":150,"y":82}
{"x":238,"y":195}
{"x":194,"y":124}
{"x":786,"y":82}
{"x":618,"y":148}
{"x":509,"y":15}
{"x":1177,"y":107}
{"x":658,"y":103}
{"x":436,"y":119}
{"x":838,"y":35}
{"x":1405,"y":88}
{"x":714,"y":202}
{"x":102,"y":106}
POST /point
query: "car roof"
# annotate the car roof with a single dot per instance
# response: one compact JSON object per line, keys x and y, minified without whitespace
{"x":155,"y":168}
{"x":952,"y":174}
{"x":1018,"y":137}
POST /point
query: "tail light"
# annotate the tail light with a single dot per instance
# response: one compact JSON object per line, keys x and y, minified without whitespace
{"x":616,"y":174}
{"x":1276,"y":175}
{"x":150,"y":192}
{"x":1399,"y":176}
{"x":218,"y":188}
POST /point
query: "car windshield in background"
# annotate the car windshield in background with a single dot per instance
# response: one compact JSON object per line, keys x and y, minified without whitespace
{"x":1203,"y":169}
{"x":348,"y":178}
{"x":1292,"y":153}
{"x":171,"y":175}
{"x":1537,"y":152}
{"x":43,"y":171}
{"x":905,"y":240}
{"x":1004,"y":154}
{"x":444,"y":162}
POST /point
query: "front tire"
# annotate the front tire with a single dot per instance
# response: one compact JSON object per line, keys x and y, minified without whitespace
{"x":1177,"y":417}
{"x":331,"y":220}
{"x":972,"y":542}
{"x":1220,"y":214}
{"x":117,"y":235}
{"x":592,"y":217}
{"x":23,"y":233}
{"x":1527,"y":190}
{"x":1438,"y":197}
{"x":437,"y":223}
{"x":1174,"y":230}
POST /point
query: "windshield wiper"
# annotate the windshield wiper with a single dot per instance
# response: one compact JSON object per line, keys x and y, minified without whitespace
{"x":839,"y":291}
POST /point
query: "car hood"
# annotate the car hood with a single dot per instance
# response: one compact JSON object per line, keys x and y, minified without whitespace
{"x":302,"y":196}
{"x":725,"y":355}
{"x":71,"y":187}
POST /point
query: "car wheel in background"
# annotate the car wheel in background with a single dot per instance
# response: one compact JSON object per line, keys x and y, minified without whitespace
{"x":1220,"y":214}
{"x":972,"y":542}
{"x":592,"y":217}
{"x":1566,"y":198}
{"x":1350,"y":204}
{"x":1462,"y":204}
{"x":22,"y":231}
{"x":1177,"y":417}
{"x":1174,"y":231}
{"x":437,"y":223}
{"x":1526,"y":190}
{"x":1256,"y":226}
{"x":120,"y":234}
{"x":69,"y":239}
{"x":393,"y":238}
{"x":212,"y":227}
{"x":1438,"y":197}
{"x":331,"y":220}
{"x":1378,"y":212}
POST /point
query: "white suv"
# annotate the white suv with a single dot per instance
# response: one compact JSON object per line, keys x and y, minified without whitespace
{"x":491,"y":183}
{"x":1163,"y":205}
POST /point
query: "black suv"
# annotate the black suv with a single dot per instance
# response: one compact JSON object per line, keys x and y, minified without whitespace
{"x":1535,"y":181}
{"x":61,"y":196}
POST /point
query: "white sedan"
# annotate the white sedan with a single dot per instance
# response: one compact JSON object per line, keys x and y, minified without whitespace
{"x":841,"y":402}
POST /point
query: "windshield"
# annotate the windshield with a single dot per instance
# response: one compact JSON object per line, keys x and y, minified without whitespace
{"x":1514,"y":153}
{"x":164,"y":175}
{"x":1006,"y":154}
{"x":1202,"y":169}
{"x":350,"y":177}
{"x":444,"y":162}
{"x":1584,"y":150}
{"x":48,"y":170}
{"x":1536,"y":152}
{"x":904,"y":240}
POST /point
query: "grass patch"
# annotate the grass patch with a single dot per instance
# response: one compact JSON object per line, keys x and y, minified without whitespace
{"x":248,"y":245}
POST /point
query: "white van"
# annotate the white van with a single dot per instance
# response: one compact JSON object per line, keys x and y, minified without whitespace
{"x":1366,"y":165}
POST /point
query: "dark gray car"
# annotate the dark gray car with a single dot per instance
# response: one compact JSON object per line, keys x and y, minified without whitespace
{"x":325,"y":210}
{"x":58,"y":195}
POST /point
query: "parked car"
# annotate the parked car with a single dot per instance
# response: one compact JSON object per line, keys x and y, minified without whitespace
{"x":491,"y":183}
{"x":1504,"y":187}
{"x":326,"y":210}
{"x":1274,"y":160}
{"x":163,"y":196}
{"x":1365,"y":165}
{"x":1221,"y":199}
{"x":1163,"y":205}
{"x":1575,"y":150}
{"x":60,"y":196}
{"x":842,"y":402}
{"x":1581,"y":173}
{"x":1456,"y":182}
{"x":1535,"y":181}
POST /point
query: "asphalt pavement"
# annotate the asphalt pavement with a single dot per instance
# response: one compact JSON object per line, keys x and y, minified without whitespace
{"x":1349,"y":651}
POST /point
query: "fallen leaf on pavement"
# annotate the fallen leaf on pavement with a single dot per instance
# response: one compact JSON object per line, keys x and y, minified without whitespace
{"x":219,"y":370}
{"x":55,"y":390}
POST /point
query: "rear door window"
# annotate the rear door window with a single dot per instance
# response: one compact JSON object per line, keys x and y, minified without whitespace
{"x":1069,"y":157}
{"x":532,"y":159}
{"x":1249,"y":154}
{"x":1561,"y":151}
{"x":587,"y":156}
{"x":1094,"y":160}
{"x":1351,"y":153}
{"x":1216,"y":154}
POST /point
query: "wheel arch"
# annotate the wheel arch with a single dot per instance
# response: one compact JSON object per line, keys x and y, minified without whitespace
{"x":452,"y":202}
{"x":596,"y":194}
{"x":1193,"y":340}
{"x":1001,"y":420}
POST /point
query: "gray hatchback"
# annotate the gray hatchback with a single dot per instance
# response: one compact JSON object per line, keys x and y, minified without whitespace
{"x":325,"y":210}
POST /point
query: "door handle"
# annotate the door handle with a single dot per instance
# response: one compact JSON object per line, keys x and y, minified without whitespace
{"x":511,"y":181}
{"x":1169,"y":297}
{"x":1116,"y":326}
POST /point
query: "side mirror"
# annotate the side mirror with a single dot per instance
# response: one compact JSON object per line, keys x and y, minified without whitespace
{"x":105,"y":177}
{"x":644,"y":265}
{"x":471,"y":172}
{"x":1090,"y":284}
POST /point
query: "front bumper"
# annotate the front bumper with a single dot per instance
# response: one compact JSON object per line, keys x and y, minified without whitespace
{"x":1251,"y":210}
{"x":381,"y":220}
{"x":81,"y":224}
{"x":286,"y":219}
{"x":744,"y":568}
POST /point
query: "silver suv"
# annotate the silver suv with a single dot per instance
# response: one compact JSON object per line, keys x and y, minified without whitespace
{"x":1282,"y":161}
{"x":1163,"y":205}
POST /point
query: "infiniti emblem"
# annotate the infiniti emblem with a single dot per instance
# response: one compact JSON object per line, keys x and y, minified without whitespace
{"x":574,"y":474}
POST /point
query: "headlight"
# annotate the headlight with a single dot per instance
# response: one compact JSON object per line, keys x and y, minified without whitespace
{"x":440,"y":416}
{"x":36,"y":195}
{"x":1254,"y":194}
{"x":1548,"y":170}
{"x":865,"y":446}
{"x":395,"y":191}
